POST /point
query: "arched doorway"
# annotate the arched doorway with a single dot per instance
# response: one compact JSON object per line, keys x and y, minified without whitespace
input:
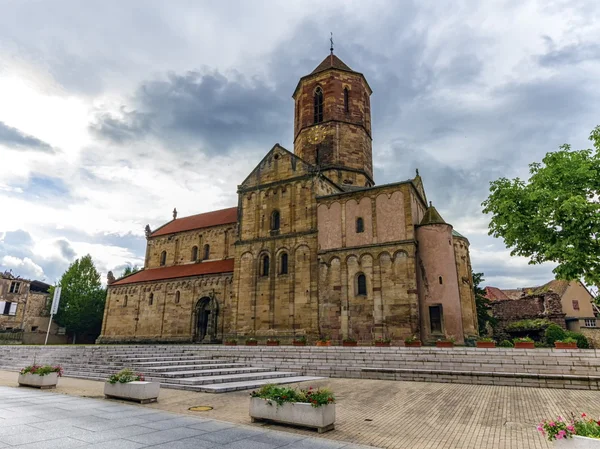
{"x":207,"y":311}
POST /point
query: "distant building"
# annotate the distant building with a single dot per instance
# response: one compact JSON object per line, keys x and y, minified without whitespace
{"x":576,"y":301}
{"x":23,"y":307}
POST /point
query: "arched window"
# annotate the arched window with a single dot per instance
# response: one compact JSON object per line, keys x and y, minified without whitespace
{"x":194,"y":253}
{"x":283,"y":263}
{"x":275,"y":220}
{"x":177,"y":295}
{"x":265,"y":266}
{"x":318,"y":115}
{"x":206,"y":254}
{"x":151,"y":299}
{"x":125,"y":301}
{"x":361,"y":285}
{"x":163,"y":258}
{"x":360,"y":225}
{"x":346,"y":104}
{"x":441,"y":280}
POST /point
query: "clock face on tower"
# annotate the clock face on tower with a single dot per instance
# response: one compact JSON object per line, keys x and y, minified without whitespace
{"x":316,"y":134}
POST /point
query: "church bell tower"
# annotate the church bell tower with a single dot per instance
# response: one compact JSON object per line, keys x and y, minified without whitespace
{"x":332,"y":123}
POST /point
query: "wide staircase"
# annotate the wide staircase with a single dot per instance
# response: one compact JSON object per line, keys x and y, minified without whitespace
{"x":172,"y":367}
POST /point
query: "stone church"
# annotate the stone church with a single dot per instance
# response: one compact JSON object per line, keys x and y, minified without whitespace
{"x":313,"y":248}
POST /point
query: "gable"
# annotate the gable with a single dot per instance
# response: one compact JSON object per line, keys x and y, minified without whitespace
{"x":278,"y":165}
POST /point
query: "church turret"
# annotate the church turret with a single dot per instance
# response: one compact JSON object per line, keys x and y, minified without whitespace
{"x":332,"y":126}
{"x":437,"y":279}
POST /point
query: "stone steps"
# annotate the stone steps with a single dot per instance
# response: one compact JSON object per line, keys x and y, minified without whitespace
{"x":166,"y":369}
{"x":249,"y":385}
{"x":213,"y":372}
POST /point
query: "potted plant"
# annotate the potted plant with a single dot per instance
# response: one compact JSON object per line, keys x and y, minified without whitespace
{"x":382,"y":341}
{"x":447,"y":342}
{"x":251,"y":341}
{"x":486,"y":342}
{"x":323,"y":341}
{"x":349,"y":341}
{"x":566,"y":343}
{"x":575,"y":433}
{"x":272,"y":342}
{"x":126,"y":384}
{"x":231,"y":342}
{"x":42,"y":377}
{"x":523,"y":343}
{"x":300,"y":341}
{"x":412,"y":342}
{"x":309,"y":408}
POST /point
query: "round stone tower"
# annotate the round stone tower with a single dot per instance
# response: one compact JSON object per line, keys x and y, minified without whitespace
{"x":437,"y":279}
{"x":332,"y":123}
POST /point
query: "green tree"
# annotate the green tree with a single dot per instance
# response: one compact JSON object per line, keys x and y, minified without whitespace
{"x":130,"y":270}
{"x":555,"y":215}
{"x":483,"y":305}
{"x":82,"y":299}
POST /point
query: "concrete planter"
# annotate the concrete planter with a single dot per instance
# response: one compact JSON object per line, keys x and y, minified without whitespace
{"x":560,"y":345}
{"x":486,"y":344}
{"x":139,"y":391}
{"x":295,"y":413}
{"x":524,"y":345}
{"x":444,"y":344}
{"x":413,"y":344}
{"x":578,"y":443}
{"x":37,"y":381}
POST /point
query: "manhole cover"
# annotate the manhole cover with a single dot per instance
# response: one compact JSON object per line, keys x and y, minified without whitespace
{"x":201,"y":408}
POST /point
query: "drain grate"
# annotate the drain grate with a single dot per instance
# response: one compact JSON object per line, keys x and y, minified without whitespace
{"x":200,"y":408}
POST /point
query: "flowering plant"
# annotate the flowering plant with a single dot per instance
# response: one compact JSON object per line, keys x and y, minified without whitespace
{"x":448,"y":338}
{"x":42,"y":370}
{"x":124,"y":376}
{"x":349,"y":340}
{"x":485,"y":340}
{"x":523,"y":340}
{"x":384,"y":340}
{"x":561,"y":429}
{"x":412,"y":339}
{"x":231,"y":341}
{"x":300,"y":339}
{"x":324,"y":338}
{"x":272,"y":340}
{"x":251,"y":340}
{"x":280,"y":395}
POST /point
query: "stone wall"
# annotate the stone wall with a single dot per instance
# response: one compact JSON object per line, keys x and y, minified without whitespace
{"x":465,"y":286}
{"x":8,"y":321}
{"x":593,"y":336}
{"x":545,"y":306}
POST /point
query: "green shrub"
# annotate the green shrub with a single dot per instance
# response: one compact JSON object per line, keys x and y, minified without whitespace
{"x":568,"y":340}
{"x":523,"y":340}
{"x":554,"y":333}
{"x":506,"y":344}
{"x":280,"y":395}
{"x":542,"y":344}
{"x":582,"y":341}
{"x":528,"y":325}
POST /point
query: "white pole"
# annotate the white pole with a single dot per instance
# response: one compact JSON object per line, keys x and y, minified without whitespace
{"x":48,"y":331}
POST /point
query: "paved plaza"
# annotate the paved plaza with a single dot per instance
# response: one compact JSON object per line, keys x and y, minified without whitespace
{"x":37,"y":419}
{"x":377,"y":413}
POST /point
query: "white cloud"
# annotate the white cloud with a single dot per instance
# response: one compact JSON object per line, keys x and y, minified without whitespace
{"x":26,"y":268}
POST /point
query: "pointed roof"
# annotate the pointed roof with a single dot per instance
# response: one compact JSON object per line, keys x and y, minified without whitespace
{"x":432,"y":216}
{"x":331,"y":62}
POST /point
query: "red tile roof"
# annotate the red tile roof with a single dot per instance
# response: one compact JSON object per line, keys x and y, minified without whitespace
{"x":208,"y":219}
{"x":178,"y":271}
{"x":494,"y":294}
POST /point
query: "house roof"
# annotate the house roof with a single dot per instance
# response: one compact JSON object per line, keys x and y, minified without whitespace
{"x":199,"y":221}
{"x":494,"y":294}
{"x":178,"y":271}
{"x":331,"y":62}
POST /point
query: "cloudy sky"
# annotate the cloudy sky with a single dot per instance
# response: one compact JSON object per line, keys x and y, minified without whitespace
{"x":112,"y":112}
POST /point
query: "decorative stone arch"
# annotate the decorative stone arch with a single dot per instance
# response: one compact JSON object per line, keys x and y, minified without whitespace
{"x":206,"y":316}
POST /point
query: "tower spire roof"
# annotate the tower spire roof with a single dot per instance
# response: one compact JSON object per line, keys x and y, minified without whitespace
{"x":331,"y":62}
{"x":432,"y":216}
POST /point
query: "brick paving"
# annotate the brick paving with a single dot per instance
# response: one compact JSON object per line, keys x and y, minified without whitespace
{"x":395,"y":414}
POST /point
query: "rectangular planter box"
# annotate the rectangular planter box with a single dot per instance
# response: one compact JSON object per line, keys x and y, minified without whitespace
{"x":525,"y":345}
{"x":251,"y":343}
{"x":560,"y":345}
{"x":349,"y":343}
{"x":299,"y":343}
{"x":323,"y":343}
{"x":295,"y":413}
{"x":139,"y":391}
{"x":444,"y":344}
{"x":414,"y":344}
{"x":486,"y":344}
{"x":578,"y":443}
{"x":382,"y":345}
{"x":37,"y":381}
{"x":272,"y":343}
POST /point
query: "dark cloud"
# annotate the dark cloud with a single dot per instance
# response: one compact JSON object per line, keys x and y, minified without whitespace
{"x":207,"y":110}
{"x":569,"y":55}
{"x":66,"y":250}
{"x":16,"y":243}
{"x":13,"y":138}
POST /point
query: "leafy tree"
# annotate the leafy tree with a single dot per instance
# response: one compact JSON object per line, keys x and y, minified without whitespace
{"x":483,"y":305}
{"x":130,"y":270}
{"x":555,"y":215}
{"x":82,"y":298}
